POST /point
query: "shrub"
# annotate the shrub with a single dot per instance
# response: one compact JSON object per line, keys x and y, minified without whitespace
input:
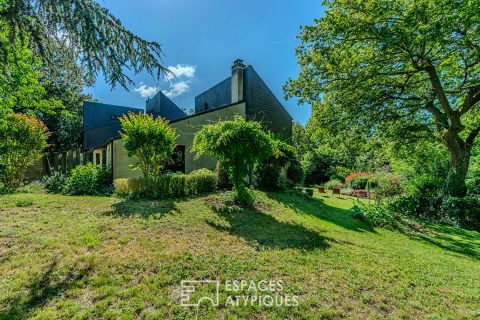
{"x":271,"y":173}
{"x":22,"y":140}
{"x":295,"y":173}
{"x":88,"y":179}
{"x":308,"y":192}
{"x":378,"y":216}
{"x":167,"y":185}
{"x":239,"y":145}
{"x":54,"y":183}
{"x":386,"y":185}
{"x":473,"y":185}
{"x":319,"y":164}
{"x":33,"y":187}
{"x":332,"y":184}
{"x":464,"y":212}
{"x":425,"y":185}
{"x":150,"y":140}
{"x":200,"y":181}
{"x":267,"y":177}
{"x":358,"y":182}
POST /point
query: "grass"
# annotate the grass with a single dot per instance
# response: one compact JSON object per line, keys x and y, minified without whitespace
{"x":65,"y":257}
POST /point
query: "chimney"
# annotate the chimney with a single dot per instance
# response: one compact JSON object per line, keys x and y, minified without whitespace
{"x":237,"y":80}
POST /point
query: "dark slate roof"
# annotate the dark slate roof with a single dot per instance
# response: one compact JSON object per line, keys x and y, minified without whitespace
{"x":101,"y":124}
{"x":161,"y":105}
{"x":217,"y":96}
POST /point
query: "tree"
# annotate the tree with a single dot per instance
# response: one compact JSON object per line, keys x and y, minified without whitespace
{"x":239,"y":145}
{"x":413,"y":65}
{"x":22,"y":141}
{"x":94,"y":37}
{"x":150,"y":140}
{"x":65,"y":84}
{"x":20,"y":88}
{"x":269,"y":172}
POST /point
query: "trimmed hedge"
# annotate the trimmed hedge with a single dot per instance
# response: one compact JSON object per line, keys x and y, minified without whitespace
{"x":168,"y":185}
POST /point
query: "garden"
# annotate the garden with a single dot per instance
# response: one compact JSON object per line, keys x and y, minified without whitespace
{"x":371,"y":209}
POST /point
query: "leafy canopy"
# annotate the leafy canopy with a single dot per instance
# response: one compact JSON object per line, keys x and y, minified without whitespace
{"x":414,"y":65}
{"x":238,"y":144}
{"x":22,"y":141}
{"x":94,"y":37}
{"x":150,"y":140}
{"x":20,"y":88}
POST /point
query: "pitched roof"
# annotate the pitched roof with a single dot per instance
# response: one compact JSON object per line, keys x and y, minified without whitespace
{"x":100,"y":123}
{"x":161,"y":105}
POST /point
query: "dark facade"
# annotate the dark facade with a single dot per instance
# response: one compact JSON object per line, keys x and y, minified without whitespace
{"x":263,"y":106}
{"x":261,"y":103}
{"x":101,"y":124}
{"x":217,"y":96}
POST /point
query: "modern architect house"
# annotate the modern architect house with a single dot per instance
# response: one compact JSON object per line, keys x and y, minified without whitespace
{"x":243,"y":93}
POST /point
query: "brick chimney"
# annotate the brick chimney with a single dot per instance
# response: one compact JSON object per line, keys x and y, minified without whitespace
{"x":237,"y":80}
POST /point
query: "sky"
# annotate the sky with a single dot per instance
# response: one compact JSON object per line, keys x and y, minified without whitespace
{"x":201,"y":39}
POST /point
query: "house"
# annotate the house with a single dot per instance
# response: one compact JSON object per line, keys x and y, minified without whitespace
{"x":243,"y":93}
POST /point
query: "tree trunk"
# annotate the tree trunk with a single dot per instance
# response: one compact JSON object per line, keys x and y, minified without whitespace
{"x":460,"y":160}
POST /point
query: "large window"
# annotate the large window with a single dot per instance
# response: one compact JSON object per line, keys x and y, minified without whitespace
{"x":176,"y":163}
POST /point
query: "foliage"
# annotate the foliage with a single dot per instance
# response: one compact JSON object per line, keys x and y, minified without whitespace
{"x":411,"y":65}
{"x":55,"y":182}
{"x":32,"y":187}
{"x":93,"y":36}
{"x":239,"y":145}
{"x":150,"y":140}
{"x":295,"y":173}
{"x":358,"y":182}
{"x":271,"y":173}
{"x":332,"y":184}
{"x":167,"y":185}
{"x":22,"y":140}
{"x":300,"y":139}
{"x":378,"y":215}
{"x":21,"y":90}
{"x":222,"y":177}
{"x":320,"y":164}
{"x":88,"y":179}
{"x":425,"y":185}
{"x":386,"y":186}
{"x":200,"y":181}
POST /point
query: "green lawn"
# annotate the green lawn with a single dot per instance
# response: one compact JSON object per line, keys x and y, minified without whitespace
{"x":65,"y":257}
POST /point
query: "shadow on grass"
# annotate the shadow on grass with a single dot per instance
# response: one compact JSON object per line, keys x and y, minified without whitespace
{"x":454,"y":239}
{"x":50,"y":285}
{"x":264,"y":231}
{"x":143,"y":208}
{"x":317,"y":208}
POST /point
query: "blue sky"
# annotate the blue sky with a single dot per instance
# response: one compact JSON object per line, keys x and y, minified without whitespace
{"x":201,"y":39}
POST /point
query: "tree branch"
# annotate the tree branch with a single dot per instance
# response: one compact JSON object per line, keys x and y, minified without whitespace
{"x":473,"y":97}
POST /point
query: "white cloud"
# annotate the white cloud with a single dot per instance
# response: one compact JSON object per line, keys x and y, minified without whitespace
{"x":145,"y":91}
{"x":176,"y":89}
{"x":181,"y":71}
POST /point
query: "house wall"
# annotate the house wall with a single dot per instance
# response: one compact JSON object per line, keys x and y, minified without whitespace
{"x":186,"y":130}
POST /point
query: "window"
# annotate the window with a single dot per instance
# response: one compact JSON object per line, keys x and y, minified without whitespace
{"x":104,"y":157}
{"x":206,"y":105}
{"x":97,"y":158}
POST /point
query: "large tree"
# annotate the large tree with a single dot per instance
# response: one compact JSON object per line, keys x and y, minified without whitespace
{"x":97,"y":40}
{"x":411,"y":64}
